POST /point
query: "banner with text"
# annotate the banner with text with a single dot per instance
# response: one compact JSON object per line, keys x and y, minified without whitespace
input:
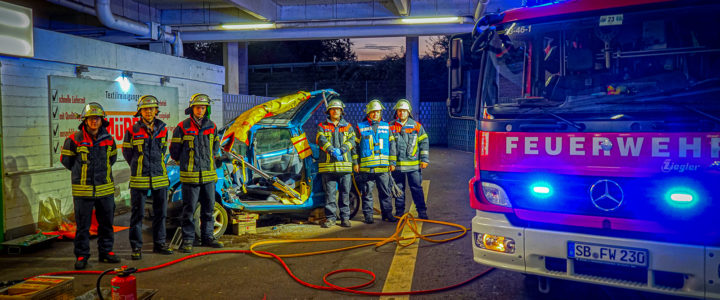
{"x":68,"y":96}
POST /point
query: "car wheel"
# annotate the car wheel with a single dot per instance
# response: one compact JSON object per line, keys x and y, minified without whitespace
{"x":354,"y":203}
{"x":220,"y":220}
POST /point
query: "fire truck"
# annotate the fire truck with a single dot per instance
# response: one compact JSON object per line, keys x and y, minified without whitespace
{"x":597,"y":142}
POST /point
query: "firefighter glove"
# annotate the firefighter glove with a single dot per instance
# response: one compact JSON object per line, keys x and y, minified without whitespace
{"x":337,"y":154}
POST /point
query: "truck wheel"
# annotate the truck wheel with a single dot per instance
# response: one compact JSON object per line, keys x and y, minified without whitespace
{"x":220,"y":218}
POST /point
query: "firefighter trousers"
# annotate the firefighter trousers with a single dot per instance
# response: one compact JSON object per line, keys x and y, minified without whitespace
{"x":159,"y":204}
{"x":104,"y":213}
{"x":367,"y":183}
{"x":337,"y":184}
{"x":192,"y":194}
{"x":414,"y":179}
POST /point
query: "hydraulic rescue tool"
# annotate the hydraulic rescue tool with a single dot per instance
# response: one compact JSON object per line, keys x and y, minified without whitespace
{"x":273,"y":180}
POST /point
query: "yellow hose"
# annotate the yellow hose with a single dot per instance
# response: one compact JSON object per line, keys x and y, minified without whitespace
{"x":406,"y":220}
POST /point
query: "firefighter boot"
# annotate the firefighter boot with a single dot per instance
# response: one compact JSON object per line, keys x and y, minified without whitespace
{"x":369,"y":220}
{"x":345,"y":223}
{"x":186,"y":247}
{"x":213,"y":243}
{"x":136,"y":254}
{"x":109,"y":257}
{"x":81,"y":263}
{"x":163,"y":249}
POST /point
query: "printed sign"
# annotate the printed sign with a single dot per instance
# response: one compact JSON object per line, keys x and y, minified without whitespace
{"x":68,"y":96}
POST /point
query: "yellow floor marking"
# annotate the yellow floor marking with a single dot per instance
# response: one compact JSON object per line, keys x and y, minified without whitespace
{"x":400,"y":275}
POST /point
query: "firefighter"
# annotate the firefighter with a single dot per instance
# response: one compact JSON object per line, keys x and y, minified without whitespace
{"x":193,"y":146}
{"x":412,"y":145}
{"x":374,"y":158}
{"x":144,"y":149}
{"x":89,"y":154}
{"x":336,"y":138}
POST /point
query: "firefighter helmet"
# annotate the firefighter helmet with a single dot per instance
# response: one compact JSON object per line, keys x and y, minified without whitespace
{"x":373,"y":105}
{"x":198,"y":99}
{"x":146,"y":101}
{"x":336,"y":103}
{"x":403,"y":104}
{"x":93,"y":109}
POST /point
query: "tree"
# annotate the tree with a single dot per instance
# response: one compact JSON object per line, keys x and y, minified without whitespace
{"x":337,"y":50}
{"x":205,"y":52}
{"x":439,"y":46}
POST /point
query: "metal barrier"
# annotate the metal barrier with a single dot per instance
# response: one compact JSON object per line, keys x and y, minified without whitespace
{"x":234,"y":105}
{"x":441,"y":130}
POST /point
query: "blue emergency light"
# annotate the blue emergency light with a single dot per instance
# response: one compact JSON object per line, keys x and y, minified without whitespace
{"x":681,"y":197}
{"x":541,"y":189}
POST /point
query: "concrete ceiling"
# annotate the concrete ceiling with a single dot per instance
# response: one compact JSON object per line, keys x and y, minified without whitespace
{"x":200,"y":20}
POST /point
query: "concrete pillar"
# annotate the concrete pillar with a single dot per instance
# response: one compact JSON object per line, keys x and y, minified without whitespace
{"x":164,"y":48}
{"x":243,"y":73}
{"x":230,"y":61}
{"x":412,"y":71}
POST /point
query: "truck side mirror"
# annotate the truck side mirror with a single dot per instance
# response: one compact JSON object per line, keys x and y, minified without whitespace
{"x":455,"y":63}
{"x":455,"y":84}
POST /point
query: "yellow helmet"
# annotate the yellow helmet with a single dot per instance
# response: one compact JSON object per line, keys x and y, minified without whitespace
{"x":336,"y":103}
{"x":146,"y":101}
{"x":374,"y":105}
{"x":403,"y":104}
{"x":198,"y":99}
{"x":93,"y":109}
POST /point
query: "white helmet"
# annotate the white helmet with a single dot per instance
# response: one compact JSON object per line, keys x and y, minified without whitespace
{"x":374,"y":105}
{"x":403,"y":104}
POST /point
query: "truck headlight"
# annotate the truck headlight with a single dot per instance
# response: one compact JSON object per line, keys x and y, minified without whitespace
{"x":495,"y":242}
{"x":495,"y":194}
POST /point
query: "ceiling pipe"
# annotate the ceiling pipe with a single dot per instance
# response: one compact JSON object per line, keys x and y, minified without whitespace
{"x":104,"y":14}
{"x":107,"y":18}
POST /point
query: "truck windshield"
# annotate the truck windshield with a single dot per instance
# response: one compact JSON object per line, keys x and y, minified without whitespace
{"x":620,"y":60}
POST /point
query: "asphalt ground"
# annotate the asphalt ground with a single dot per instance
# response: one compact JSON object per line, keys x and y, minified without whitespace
{"x":422,"y":266}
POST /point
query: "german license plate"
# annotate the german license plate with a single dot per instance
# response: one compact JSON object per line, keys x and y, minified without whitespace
{"x":608,"y":254}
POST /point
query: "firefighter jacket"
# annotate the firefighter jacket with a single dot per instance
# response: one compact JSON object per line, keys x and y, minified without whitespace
{"x":330,"y":137}
{"x":375,"y":150}
{"x":411,"y":143}
{"x":144,"y":151}
{"x":90,"y":162}
{"x":193,"y":146}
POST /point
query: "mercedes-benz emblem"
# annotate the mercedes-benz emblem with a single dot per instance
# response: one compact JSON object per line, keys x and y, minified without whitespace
{"x":606,"y":195}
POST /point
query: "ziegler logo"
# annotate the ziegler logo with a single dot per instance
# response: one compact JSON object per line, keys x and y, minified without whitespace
{"x":670,"y":166}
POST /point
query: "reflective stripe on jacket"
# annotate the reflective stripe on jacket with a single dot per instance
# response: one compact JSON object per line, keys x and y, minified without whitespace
{"x":90,"y":163}
{"x":411,"y":143}
{"x":193,"y":147}
{"x":375,"y":149}
{"x":145,"y":153}
{"x":330,"y":137}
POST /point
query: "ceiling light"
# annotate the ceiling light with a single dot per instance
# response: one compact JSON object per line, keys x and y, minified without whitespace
{"x":430,"y":20}
{"x":247,"y":26}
